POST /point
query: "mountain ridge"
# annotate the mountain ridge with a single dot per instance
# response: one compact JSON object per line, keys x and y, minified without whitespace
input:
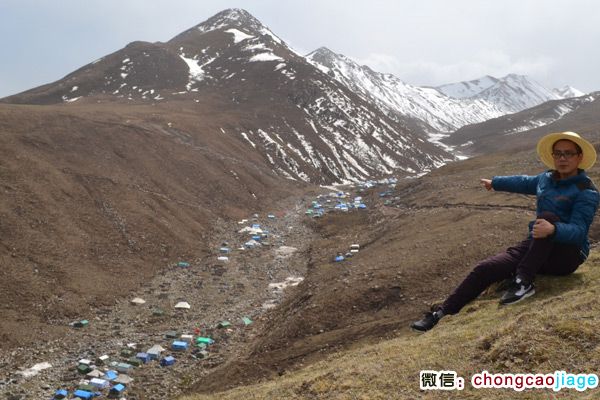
{"x":335,"y":121}
{"x":307,"y":126}
{"x":441,"y":109}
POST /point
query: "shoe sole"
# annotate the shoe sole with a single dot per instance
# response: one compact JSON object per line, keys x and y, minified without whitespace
{"x":526,"y":295}
{"x":413,"y":328}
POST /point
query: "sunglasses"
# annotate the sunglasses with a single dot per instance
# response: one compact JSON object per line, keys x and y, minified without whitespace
{"x":566,"y":154}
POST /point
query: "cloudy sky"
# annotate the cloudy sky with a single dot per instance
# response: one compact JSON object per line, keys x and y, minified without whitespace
{"x":423,"y":42}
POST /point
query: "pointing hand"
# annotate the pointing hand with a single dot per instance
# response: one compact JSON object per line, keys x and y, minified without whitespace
{"x":487,"y":183}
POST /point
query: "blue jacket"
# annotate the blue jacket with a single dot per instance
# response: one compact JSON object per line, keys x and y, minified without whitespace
{"x":574,"y":200}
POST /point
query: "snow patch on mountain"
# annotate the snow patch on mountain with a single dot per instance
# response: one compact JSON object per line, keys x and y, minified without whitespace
{"x":237,"y":18}
{"x":238,"y":36}
{"x":257,"y":46}
{"x":196,"y":71}
{"x":265,"y":57}
{"x":245,"y":136}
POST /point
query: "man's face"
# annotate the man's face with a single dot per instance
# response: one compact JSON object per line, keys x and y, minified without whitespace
{"x":566,"y":158}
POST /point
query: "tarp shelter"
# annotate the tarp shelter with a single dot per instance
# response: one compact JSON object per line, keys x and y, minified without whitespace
{"x":168,"y":360}
{"x":187,"y":338}
{"x":205,"y":340}
{"x":224,"y":324}
{"x":154,"y":351}
{"x":183,"y":305}
{"x":80,"y":324}
{"x":99,"y":383}
{"x":83,"y":394}
{"x":124,"y":379}
{"x":124,"y":367}
{"x":116,"y":390}
{"x":102,"y":359}
{"x":178,"y":345}
{"x":83,"y":369}
{"x":96,"y":373}
{"x":143,"y":357}
{"x":111,"y":375}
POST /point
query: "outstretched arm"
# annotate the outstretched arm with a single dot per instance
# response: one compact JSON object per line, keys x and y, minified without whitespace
{"x":522,"y":184}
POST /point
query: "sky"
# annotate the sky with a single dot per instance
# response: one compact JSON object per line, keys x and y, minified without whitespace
{"x":422,"y":42}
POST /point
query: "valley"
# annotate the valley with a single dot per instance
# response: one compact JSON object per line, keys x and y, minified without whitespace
{"x":200,"y":198}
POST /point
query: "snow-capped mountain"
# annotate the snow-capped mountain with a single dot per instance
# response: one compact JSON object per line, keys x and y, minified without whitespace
{"x":461,"y":90}
{"x":512,"y":93}
{"x":306,"y":125}
{"x":575,"y":113}
{"x":567,"y":92}
{"x":515,"y":93}
{"x":444,"y":108}
{"x":439,"y":112}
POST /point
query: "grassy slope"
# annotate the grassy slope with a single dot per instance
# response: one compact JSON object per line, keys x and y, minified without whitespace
{"x":557,"y":329}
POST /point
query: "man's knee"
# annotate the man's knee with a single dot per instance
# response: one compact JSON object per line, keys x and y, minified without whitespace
{"x":483,"y":271}
{"x":490,"y":271}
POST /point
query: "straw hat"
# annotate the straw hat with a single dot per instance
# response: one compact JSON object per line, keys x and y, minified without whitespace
{"x":544,"y":148}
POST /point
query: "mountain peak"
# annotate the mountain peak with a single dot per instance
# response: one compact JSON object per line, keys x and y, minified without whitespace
{"x":567,"y":92}
{"x":324,"y":57}
{"x":322,"y":51}
{"x":231,"y":18}
{"x":461,"y":90}
{"x":515,"y":78}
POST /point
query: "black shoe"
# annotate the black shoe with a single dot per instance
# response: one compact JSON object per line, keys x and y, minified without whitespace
{"x":519,"y":290}
{"x":429,"y":320}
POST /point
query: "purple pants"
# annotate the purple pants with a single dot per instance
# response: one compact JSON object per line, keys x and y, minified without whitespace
{"x":526,"y":259}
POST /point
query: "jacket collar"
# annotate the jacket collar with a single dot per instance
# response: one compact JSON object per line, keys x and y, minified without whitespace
{"x":580,"y":177}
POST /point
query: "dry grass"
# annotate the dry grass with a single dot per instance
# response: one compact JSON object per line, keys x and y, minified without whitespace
{"x":557,"y":329}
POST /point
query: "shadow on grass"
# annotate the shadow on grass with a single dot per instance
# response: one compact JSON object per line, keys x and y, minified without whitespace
{"x":548,"y":285}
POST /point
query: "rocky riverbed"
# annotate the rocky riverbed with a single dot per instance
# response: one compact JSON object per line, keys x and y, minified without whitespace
{"x":246,"y":285}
